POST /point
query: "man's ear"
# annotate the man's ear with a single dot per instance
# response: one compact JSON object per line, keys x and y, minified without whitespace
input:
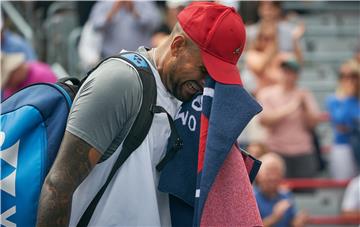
{"x":177,"y":45}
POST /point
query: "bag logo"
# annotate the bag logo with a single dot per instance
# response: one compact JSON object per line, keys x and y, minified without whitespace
{"x":10,"y":156}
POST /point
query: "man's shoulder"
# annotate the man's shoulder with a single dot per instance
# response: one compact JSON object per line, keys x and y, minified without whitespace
{"x":13,"y":41}
{"x":112,"y":79}
{"x":331,"y":100}
{"x":259,"y":196}
{"x":354,"y":183}
{"x":115,"y":69}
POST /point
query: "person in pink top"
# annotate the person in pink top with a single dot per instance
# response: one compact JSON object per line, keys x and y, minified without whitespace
{"x":16,"y":73}
{"x":289,"y":114}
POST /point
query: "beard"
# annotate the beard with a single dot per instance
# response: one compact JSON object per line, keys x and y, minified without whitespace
{"x":179,"y":88}
{"x":175,"y":85}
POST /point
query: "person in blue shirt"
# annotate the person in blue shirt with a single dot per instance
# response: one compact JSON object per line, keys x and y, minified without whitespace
{"x":13,"y":43}
{"x":344,"y":111}
{"x":124,"y":24}
{"x":276,"y":206}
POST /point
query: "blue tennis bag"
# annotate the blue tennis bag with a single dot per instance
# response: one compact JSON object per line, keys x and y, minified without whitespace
{"x":26,"y":158}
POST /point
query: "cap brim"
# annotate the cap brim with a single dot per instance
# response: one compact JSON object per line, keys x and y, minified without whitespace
{"x":220,"y":70}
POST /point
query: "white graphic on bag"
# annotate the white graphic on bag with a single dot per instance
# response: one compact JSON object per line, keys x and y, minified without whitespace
{"x":10,"y":156}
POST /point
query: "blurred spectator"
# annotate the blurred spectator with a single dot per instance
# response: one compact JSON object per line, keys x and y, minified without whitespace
{"x":344,"y":111}
{"x":351,"y":201}
{"x":254,"y":132}
{"x":276,"y":205}
{"x":248,"y":11}
{"x":172,"y":8}
{"x":354,"y":62}
{"x":270,"y":13}
{"x":13,"y":43}
{"x":124,"y":24}
{"x":257,"y":149}
{"x":269,"y":44}
{"x":90,"y":45}
{"x":289,"y":114}
{"x":261,"y":58}
{"x":230,"y":3}
{"x":16,"y":73}
{"x":267,"y":40}
{"x":84,"y":9}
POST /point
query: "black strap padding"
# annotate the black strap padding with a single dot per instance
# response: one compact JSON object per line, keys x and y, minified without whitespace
{"x":71,"y":89}
{"x":136,"y":135}
{"x":75,"y":81}
{"x":175,"y":141}
{"x":143,"y":121}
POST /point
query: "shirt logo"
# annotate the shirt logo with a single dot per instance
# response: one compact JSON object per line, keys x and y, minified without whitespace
{"x":7,"y":184}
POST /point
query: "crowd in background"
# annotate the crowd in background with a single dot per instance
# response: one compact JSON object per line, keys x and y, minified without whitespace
{"x":283,"y":136}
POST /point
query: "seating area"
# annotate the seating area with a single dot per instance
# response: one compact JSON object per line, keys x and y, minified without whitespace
{"x":332,"y":33}
{"x":323,"y":203}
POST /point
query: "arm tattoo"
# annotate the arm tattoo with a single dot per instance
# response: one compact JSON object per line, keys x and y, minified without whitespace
{"x":70,"y":168}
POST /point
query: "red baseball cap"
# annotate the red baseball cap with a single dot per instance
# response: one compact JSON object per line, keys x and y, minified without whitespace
{"x":220,"y":34}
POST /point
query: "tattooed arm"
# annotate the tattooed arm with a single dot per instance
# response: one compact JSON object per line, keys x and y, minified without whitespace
{"x":99,"y":113}
{"x":73,"y":163}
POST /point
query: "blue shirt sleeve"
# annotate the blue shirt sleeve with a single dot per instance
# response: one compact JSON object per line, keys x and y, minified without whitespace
{"x":13,"y":43}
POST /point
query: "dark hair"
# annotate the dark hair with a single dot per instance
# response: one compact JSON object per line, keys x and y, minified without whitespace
{"x":353,"y":74}
{"x":277,"y":4}
{"x":291,"y":65}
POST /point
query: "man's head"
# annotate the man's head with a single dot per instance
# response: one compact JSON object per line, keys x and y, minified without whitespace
{"x":290,"y":72}
{"x":257,"y":149}
{"x":266,"y":37}
{"x":271,"y":173}
{"x":182,"y":69}
{"x":208,"y":39}
{"x":270,"y":10}
{"x":349,"y":79}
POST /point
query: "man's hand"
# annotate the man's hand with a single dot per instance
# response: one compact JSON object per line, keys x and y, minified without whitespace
{"x":73,"y":163}
{"x":128,"y":5}
{"x":278,"y":212}
{"x":298,"y":31}
{"x":114,"y":10}
{"x":280,"y":208}
{"x":300,"y":219}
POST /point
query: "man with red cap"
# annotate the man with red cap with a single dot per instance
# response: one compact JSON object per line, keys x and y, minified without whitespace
{"x":208,"y":40}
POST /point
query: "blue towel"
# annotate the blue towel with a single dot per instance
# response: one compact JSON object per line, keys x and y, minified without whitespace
{"x":224,"y":111}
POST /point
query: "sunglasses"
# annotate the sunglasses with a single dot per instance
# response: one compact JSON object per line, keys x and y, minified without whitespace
{"x":353,"y":76}
{"x":266,"y":38}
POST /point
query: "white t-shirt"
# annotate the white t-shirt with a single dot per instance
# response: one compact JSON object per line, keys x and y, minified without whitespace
{"x":351,"y":200}
{"x":131,"y":198}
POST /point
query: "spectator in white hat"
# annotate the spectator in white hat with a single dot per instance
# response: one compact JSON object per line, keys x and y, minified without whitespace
{"x":16,"y":73}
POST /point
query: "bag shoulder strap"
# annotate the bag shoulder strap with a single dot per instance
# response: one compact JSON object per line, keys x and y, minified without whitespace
{"x":70,"y":89}
{"x":139,"y":129}
{"x":143,"y":121}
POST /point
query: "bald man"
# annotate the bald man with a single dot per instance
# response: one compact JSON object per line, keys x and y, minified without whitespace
{"x":276,"y":206}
